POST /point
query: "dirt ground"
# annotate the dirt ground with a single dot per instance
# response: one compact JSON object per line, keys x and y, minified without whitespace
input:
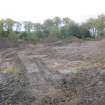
{"x":71,"y":74}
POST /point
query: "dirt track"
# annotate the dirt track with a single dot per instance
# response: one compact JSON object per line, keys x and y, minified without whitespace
{"x":46,"y":65}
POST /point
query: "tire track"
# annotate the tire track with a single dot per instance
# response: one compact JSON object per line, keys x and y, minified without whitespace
{"x":48,"y":75}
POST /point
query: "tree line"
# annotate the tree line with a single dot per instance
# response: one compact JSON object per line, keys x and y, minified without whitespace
{"x":52,"y":28}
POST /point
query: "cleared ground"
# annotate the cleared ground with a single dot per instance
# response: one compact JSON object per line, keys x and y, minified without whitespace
{"x":48,"y":67}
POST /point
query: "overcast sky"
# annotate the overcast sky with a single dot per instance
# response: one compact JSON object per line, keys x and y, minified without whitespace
{"x":39,"y":10}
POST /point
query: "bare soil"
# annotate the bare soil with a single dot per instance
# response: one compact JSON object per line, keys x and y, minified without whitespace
{"x":71,"y":74}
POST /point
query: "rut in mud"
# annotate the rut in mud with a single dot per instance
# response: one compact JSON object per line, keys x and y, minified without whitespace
{"x":40,"y":75}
